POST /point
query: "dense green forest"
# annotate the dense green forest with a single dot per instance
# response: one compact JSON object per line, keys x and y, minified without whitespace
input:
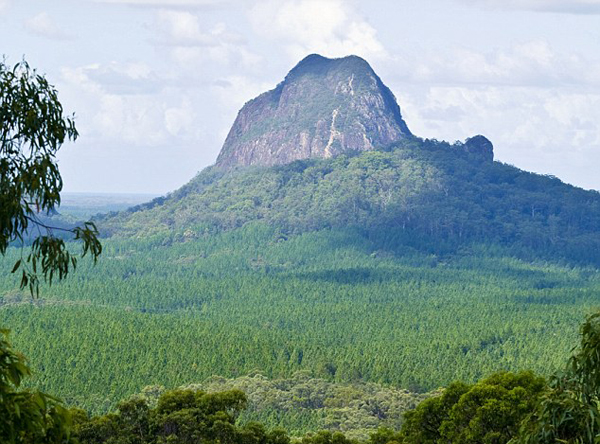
{"x":515,"y":408}
{"x":330,"y":302}
{"x":505,"y":407}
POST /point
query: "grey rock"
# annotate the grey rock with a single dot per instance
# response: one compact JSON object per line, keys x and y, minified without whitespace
{"x":480,"y":147}
{"x":323,"y":108}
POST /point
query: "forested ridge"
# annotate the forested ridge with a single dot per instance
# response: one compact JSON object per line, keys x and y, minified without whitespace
{"x":425,"y":194}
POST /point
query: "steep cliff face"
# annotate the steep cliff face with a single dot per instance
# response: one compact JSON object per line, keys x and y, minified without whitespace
{"x":324,"y":107}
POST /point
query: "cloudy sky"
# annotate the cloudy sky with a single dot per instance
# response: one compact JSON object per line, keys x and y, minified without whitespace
{"x":156,"y":84}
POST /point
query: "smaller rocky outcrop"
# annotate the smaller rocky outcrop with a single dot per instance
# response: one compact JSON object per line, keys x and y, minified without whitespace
{"x":480,"y":147}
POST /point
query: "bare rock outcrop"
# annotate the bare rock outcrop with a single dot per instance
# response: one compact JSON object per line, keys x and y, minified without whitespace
{"x":323,"y":108}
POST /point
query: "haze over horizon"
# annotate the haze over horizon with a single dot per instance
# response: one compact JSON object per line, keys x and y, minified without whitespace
{"x":156,"y":84}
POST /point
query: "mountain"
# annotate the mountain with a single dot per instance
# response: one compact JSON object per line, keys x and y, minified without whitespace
{"x":323,"y":108}
{"x":327,"y":148}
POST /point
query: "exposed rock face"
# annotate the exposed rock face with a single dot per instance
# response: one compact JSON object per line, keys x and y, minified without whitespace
{"x":324,"y":107}
{"x":480,"y":147}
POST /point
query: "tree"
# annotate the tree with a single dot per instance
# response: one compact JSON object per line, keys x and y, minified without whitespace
{"x":489,"y":411}
{"x":32,"y":130}
{"x":326,"y":437}
{"x":180,"y":416}
{"x":422,"y":425}
{"x":569,"y":411}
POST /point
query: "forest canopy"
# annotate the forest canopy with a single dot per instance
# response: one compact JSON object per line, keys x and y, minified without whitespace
{"x":424,"y":194}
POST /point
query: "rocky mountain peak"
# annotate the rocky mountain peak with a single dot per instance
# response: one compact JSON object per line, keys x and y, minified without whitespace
{"x":318,"y":65}
{"x":323,"y":107}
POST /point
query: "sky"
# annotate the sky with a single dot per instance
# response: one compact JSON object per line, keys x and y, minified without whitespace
{"x":155,"y":85}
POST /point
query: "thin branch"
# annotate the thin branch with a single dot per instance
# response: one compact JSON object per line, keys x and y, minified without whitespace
{"x":48,"y":227}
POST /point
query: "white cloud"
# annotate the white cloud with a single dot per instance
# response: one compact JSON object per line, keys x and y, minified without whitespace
{"x":201,"y":50}
{"x":204,"y":4}
{"x":125,"y":78}
{"x":179,"y":119}
{"x":44,"y":26}
{"x":557,"y":6}
{"x":117,"y":104}
{"x":134,"y":120}
{"x":4,"y":5}
{"x":182,"y":28}
{"x":328,"y":27}
{"x":533,"y":63}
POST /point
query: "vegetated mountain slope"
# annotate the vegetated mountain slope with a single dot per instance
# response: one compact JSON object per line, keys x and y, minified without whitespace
{"x":425,"y":194}
{"x":323,"y":107}
{"x":366,"y":170}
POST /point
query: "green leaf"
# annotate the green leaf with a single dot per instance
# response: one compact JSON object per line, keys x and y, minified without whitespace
{"x":17,"y":265}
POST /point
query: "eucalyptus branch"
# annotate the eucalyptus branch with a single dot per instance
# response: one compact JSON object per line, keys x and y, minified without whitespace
{"x":32,"y":130}
{"x":48,"y":227}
